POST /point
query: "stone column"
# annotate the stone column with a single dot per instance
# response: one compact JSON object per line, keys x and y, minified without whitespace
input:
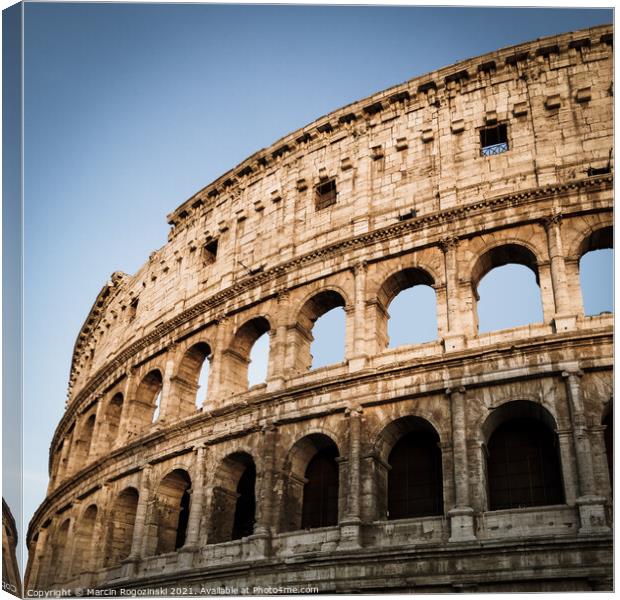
{"x":264,"y":520}
{"x":358,"y":359}
{"x":276,"y":373}
{"x":64,"y":567}
{"x":565,"y":317}
{"x":167,"y":409}
{"x":139,"y":528}
{"x":599,"y":457}
{"x":462,"y":515}
{"x":591,"y":506}
{"x":350,"y":525}
{"x":197,"y":493}
{"x":40,"y":563}
{"x":216,"y":375}
{"x":569,"y":472}
{"x":454,"y":337}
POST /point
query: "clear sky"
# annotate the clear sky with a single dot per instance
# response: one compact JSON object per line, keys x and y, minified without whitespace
{"x":130,"y":109}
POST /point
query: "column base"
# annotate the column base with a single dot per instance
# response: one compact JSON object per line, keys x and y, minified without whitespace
{"x":350,"y":534}
{"x":462,"y":524}
{"x":277,"y":383}
{"x":357,"y":363}
{"x":260,"y":546}
{"x":564,"y":323}
{"x":130,"y":566}
{"x":592,"y":515}
{"x":186,"y":556}
{"x":453,"y":342}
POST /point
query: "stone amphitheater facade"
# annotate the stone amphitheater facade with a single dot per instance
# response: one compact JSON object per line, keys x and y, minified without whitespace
{"x":297,"y":482}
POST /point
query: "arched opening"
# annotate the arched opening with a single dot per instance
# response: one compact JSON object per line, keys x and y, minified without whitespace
{"x":608,"y":436}
{"x":409,"y":476}
{"x":59,"y":557}
{"x":83,"y":443}
{"x":233,"y":512}
{"x":121,"y":524}
{"x":409,"y":314}
{"x":146,"y":400}
{"x":83,"y":558}
{"x":236,"y":359}
{"x":320,"y":332}
{"x":523,"y":461}
{"x":259,"y":361}
{"x":189,"y":385}
{"x":311,"y":497}
{"x":172,"y":511}
{"x":506,"y":286}
{"x":113,"y":417}
{"x":596,"y":272}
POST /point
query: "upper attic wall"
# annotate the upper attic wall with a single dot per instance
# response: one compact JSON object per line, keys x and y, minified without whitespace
{"x":411,"y":150}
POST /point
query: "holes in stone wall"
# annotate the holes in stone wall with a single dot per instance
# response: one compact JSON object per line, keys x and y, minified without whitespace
{"x":234,"y":499}
{"x":523,"y":462}
{"x":237,"y":358}
{"x":325,"y":194}
{"x":505,"y":282}
{"x":83,"y":558}
{"x":320,"y":344}
{"x":596,"y":272}
{"x":311,"y":484}
{"x":120,"y":528}
{"x":172,"y":511}
{"x":494,"y":140}
{"x":409,"y":303}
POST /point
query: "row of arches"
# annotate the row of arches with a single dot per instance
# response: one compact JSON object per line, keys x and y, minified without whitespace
{"x":247,"y":358}
{"x":523,"y":468}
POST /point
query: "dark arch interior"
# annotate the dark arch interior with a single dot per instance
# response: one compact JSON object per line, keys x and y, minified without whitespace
{"x":173,"y":500}
{"x":183,"y":520}
{"x":415,"y":482}
{"x":320,"y":501}
{"x":523,"y":465}
{"x":245,"y":508}
{"x":608,"y":421}
{"x":598,"y":240}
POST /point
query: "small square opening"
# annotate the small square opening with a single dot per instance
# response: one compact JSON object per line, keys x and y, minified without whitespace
{"x":133,"y":309}
{"x":494,"y":140}
{"x":325,"y":194}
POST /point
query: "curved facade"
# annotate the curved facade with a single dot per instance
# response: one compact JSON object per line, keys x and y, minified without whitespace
{"x":475,"y":461}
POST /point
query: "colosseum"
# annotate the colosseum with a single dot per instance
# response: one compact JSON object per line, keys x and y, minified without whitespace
{"x":472,"y":462}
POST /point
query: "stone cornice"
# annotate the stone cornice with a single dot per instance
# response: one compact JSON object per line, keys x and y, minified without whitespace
{"x":437,"y":219}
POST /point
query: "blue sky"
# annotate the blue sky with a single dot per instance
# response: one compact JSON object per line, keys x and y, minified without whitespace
{"x":130,"y":109}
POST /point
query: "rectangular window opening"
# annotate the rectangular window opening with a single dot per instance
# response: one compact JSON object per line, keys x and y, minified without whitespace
{"x":325,"y":194}
{"x":211,"y":251}
{"x":133,"y":309}
{"x":494,"y":140}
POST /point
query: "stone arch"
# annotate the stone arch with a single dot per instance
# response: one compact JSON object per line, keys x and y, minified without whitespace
{"x":233,"y":503}
{"x":121,"y":525}
{"x":144,"y":403}
{"x":84,"y":442}
{"x":314,"y":307}
{"x":523,"y":466}
{"x":236,"y":358}
{"x":598,"y":239}
{"x":59,"y":557}
{"x":185,"y":389}
{"x":172,"y":510}
{"x":391,"y":287}
{"x":311,"y":484}
{"x":83,"y":558}
{"x":502,"y":254}
{"x":409,"y":479}
{"x":113,"y":413}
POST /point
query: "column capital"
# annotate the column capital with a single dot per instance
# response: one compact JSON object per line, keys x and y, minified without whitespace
{"x":455,"y":390}
{"x":353,"y":410}
{"x":448,"y":243}
{"x":359,"y":267}
{"x":551,"y":220}
{"x":572,"y":373}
